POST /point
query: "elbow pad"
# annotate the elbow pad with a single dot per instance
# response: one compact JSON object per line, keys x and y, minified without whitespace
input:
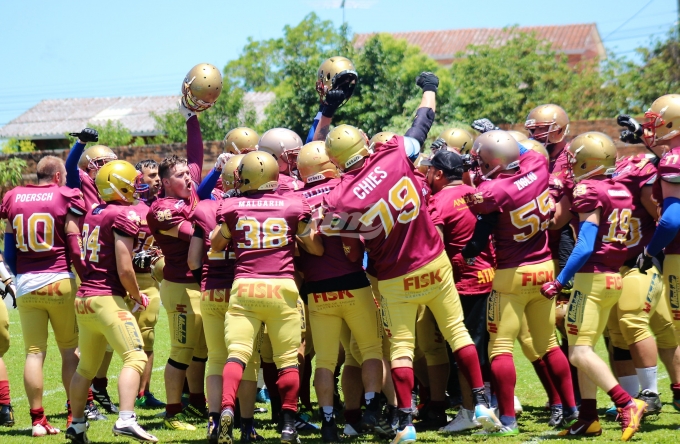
{"x":412,"y":148}
{"x":421,"y":125}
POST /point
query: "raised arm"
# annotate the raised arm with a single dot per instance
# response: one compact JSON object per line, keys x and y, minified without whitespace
{"x":72,"y":173}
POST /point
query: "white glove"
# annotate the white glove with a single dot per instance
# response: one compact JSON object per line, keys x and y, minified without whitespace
{"x":183,"y":110}
{"x":222,"y":160}
{"x":144,"y":303}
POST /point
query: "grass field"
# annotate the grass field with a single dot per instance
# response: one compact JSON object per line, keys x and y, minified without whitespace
{"x":533,"y":423}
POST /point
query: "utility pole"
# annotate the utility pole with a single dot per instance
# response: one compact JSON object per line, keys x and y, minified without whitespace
{"x":342,"y":5}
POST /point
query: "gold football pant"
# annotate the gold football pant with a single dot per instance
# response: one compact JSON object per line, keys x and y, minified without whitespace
{"x":4,"y":330}
{"x":430,"y":343}
{"x":430,"y":285}
{"x":592,"y":298}
{"x":671,"y":269}
{"x":182,"y":302}
{"x":102,"y":320}
{"x":214,"y":305}
{"x":51,"y":304}
{"x":527,"y":343}
{"x":357,"y":309}
{"x":272,"y":302}
{"x":147,"y":319}
{"x":516,"y":293}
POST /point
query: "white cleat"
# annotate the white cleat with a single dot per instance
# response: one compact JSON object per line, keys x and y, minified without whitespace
{"x":464,"y":420}
{"x":518,"y":407}
{"x":487,"y":418}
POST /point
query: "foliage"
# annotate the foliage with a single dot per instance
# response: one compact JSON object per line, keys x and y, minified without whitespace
{"x":112,"y":134}
{"x":11,"y":171}
{"x":17,"y":146}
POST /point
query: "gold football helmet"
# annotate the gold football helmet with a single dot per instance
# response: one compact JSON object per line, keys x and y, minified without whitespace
{"x":201,"y":87}
{"x":518,"y":135}
{"x":662,"y":119}
{"x":95,"y":157}
{"x":283,"y":144}
{"x":495,"y":151}
{"x":551,"y":116}
{"x":381,"y":137}
{"x":590,"y":154}
{"x":258,"y":171}
{"x":458,"y":138}
{"x":418,"y":164}
{"x":336,"y":73}
{"x":241,"y":140}
{"x":229,"y":170}
{"x":119,"y":181}
{"x":535,"y":145}
{"x":313,"y":163}
{"x":346,"y":145}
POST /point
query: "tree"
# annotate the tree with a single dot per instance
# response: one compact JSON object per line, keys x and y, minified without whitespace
{"x":17,"y":146}
{"x":112,"y":134}
{"x":11,"y":173}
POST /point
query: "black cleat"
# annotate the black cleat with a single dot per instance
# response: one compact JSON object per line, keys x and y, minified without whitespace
{"x":103,"y":399}
{"x":77,"y":433}
{"x":6,"y":415}
{"x":226,"y":427}
{"x":92,"y":412}
{"x":289,"y":433}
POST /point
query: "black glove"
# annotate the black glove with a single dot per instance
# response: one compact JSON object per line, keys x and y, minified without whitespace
{"x":86,"y":135}
{"x":9,"y":290}
{"x":644,"y":262}
{"x":428,"y":81}
{"x":633,"y":132}
{"x":483,"y":125}
{"x":437,"y":145}
{"x":142,"y":260}
{"x":332,"y":102}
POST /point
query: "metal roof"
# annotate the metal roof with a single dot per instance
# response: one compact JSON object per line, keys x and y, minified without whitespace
{"x":51,"y":119}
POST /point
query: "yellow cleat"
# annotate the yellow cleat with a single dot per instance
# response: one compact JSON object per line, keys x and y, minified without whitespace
{"x":583,"y":428}
{"x":630,"y":417}
{"x":178,"y":422}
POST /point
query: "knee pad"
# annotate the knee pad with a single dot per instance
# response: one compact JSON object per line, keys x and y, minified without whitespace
{"x":135,"y":360}
{"x":177,"y":365}
{"x":621,"y":354}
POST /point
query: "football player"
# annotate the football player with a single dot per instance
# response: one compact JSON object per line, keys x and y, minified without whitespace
{"x":604,"y":209}
{"x":378,"y":199}
{"x":455,"y":222}
{"x":263,"y":227}
{"x":513,"y":202}
{"x":338,"y":292}
{"x":659,"y":132}
{"x":103,"y":317}
{"x":41,"y":242}
{"x":7,"y":288}
{"x":146,"y":253}
{"x":284,"y":145}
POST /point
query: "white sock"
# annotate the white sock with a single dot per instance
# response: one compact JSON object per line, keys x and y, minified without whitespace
{"x":327,"y":412}
{"x":630,"y":384}
{"x":368,"y":396}
{"x":125,"y":415}
{"x":647,"y":377}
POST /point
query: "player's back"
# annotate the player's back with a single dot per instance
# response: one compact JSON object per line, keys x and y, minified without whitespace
{"x":263,"y":227}
{"x":668,"y":171}
{"x":384,"y":203}
{"x":218,"y":266}
{"x":37,"y":215}
{"x":99,"y":227}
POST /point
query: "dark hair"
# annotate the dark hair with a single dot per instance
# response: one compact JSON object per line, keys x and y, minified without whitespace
{"x":456,"y":174}
{"x":48,"y":166}
{"x":146,"y":163}
{"x":168,"y":164}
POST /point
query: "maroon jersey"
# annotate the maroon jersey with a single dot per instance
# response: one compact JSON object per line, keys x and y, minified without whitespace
{"x":556,"y":193}
{"x":384,"y":203}
{"x":615,"y":203}
{"x":38,"y":216}
{"x":559,"y":167}
{"x":89,"y":190}
{"x":449,"y":210}
{"x":669,"y":171}
{"x":145,"y":240}
{"x":263,"y":227}
{"x":164,"y":214}
{"x":523,"y":200}
{"x":289,"y":184}
{"x":101,"y":273}
{"x":334,"y":262}
{"x":635,"y":172}
{"x":218,"y":266}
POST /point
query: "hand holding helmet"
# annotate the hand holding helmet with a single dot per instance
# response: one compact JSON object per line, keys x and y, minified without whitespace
{"x":633,"y":132}
{"x":334,"y":99}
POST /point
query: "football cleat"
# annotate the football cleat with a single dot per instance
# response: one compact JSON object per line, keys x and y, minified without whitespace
{"x":302,"y":423}
{"x":387,"y":423}
{"x":583,"y":428}
{"x":6,"y":415}
{"x":464,"y":420}
{"x":509,"y":430}
{"x":630,"y":417}
{"x":487,"y":418}
{"x":131,"y":429}
{"x":676,"y":404}
{"x":518,"y":406}
{"x":178,"y":422}
{"x":213,"y":431}
{"x":43,"y":428}
{"x":262,"y":395}
{"x":226,"y":427}
{"x":104,"y":400}
{"x":611,"y":413}
{"x":77,"y":433}
{"x":92,"y":412}
{"x":568,"y":421}
{"x":250,"y":435}
{"x":652,"y":400}
{"x":556,"y":415}
{"x":329,"y":431}
{"x":405,"y":435}
{"x":289,"y":426}
{"x":431,"y":420}
{"x":149,"y":401}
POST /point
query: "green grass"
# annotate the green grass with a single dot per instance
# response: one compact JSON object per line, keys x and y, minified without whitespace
{"x":533,"y":423}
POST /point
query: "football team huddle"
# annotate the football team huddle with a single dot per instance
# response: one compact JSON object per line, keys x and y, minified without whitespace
{"x":399,"y":272}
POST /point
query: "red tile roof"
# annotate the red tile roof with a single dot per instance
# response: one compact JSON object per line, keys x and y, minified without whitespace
{"x":582,"y":39}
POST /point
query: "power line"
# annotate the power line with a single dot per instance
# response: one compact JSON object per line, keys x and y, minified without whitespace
{"x":627,"y":21}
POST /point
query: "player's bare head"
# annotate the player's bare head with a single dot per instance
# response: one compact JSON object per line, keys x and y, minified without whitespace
{"x":549,"y":124}
{"x":51,"y":169}
{"x":175,"y":177}
{"x":495,"y":152}
{"x":150,"y":175}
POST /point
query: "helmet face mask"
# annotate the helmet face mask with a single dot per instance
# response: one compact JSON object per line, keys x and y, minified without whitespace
{"x":229,"y":172}
{"x":201,"y":87}
{"x":336,"y":73}
{"x":142,"y":189}
{"x":284,"y":145}
{"x":494,"y":152}
{"x":549,"y":124}
{"x":95,"y":157}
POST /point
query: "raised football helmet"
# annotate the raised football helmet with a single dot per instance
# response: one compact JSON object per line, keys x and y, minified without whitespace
{"x":95,"y":157}
{"x":241,"y":140}
{"x":591,"y":154}
{"x":535,"y":145}
{"x":662,"y":120}
{"x":495,"y":151}
{"x":229,"y":170}
{"x":314,"y":164}
{"x":548,"y":124}
{"x":381,"y":137}
{"x":201,"y":87}
{"x":518,"y":135}
{"x":119,"y":181}
{"x":283,"y":144}
{"x":346,"y":145}
{"x":458,"y":138}
{"x":336,"y":73}
{"x":258,"y":171}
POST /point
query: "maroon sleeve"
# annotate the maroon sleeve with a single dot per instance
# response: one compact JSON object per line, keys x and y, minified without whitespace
{"x":127,"y":222}
{"x":194,"y":149}
{"x":306,"y":213}
{"x":74,"y":199}
{"x":586,"y":199}
{"x":483,"y":201}
{"x":433,"y":209}
{"x":165,"y":216}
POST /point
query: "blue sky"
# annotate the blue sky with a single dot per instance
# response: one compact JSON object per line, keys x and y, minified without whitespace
{"x":69,"y":48}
